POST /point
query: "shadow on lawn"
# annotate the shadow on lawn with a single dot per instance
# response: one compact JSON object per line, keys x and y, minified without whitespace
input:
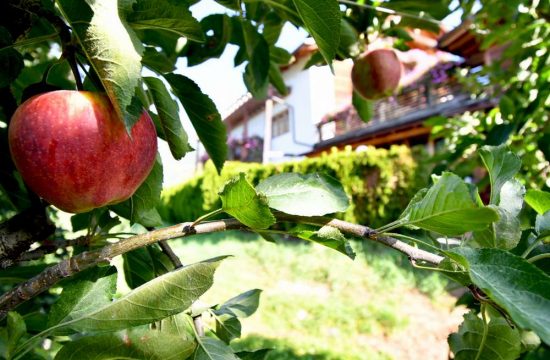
{"x":391,"y":265}
{"x":280,"y":349}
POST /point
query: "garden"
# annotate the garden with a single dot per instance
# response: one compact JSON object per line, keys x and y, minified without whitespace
{"x":363,"y":252}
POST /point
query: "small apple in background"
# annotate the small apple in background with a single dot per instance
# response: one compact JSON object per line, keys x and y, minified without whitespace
{"x":376,"y":73}
{"x":72,"y":149}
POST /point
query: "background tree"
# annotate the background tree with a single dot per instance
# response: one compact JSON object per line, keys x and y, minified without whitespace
{"x":103,"y":46}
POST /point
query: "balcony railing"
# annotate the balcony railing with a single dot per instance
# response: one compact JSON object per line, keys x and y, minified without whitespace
{"x":420,"y":96}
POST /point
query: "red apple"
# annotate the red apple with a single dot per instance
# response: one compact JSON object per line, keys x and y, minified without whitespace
{"x":73,"y":150}
{"x":375,"y":74}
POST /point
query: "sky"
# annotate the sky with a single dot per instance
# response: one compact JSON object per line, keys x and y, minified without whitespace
{"x":217,"y":77}
{"x":220,"y":80}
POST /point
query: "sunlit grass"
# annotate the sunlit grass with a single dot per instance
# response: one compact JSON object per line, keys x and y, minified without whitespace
{"x":316,"y":303}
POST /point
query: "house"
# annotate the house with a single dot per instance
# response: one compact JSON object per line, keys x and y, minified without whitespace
{"x":317,"y":113}
{"x":286,"y":126}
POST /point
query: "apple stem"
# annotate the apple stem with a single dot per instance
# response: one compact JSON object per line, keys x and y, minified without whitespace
{"x":67,"y":45}
{"x":74,"y":68}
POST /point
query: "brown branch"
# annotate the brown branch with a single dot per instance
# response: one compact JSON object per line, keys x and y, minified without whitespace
{"x":19,"y":232}
{"x":88,"y":259}
{"x":167,"y":250}
{"x":365,"y":232}
{"x":51,"y":246}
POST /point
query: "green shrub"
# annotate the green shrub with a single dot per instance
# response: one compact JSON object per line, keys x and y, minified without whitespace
{"x":382,"y":182}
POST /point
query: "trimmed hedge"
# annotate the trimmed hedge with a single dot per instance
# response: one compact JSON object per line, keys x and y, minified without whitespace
{"x":380,"y":181}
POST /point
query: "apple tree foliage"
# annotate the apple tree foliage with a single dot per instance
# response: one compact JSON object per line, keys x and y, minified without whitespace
{"x":68,"y":293}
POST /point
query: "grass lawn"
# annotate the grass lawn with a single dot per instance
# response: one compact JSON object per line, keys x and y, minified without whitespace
{"x":318,"y":304}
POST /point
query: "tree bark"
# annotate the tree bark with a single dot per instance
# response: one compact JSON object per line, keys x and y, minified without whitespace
{"x":19,"y":232}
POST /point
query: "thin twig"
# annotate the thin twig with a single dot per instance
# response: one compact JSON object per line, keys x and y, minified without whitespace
{"x":366,"y":232}
{"x":51,"y":246}
{"x":539,"y":257}
{"x":66,"y":268}
{"x":389,"y":11}
{"x":198,"y":325}
{"x":166,"y":249}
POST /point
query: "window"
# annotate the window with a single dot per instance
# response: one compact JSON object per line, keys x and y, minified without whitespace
{"x":280,"y":124}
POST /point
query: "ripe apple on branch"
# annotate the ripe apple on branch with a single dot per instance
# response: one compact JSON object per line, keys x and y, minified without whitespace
{"x":72,"y":150}
{"x":376,"y":73}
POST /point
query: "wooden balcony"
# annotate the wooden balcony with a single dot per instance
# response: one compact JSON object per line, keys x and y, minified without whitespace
{"x":406,"y":110}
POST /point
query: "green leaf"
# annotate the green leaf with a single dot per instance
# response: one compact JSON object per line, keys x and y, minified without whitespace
{"x":507,"y":108}
{"x":447,"y":208}
{"x":349,"y":39}
{"x":91,"y":289}
{"x":542,"y":224}
{"x":276,"y":78}
{"x":538,"y":200}
{"x":279,"y":55}
{"x":253,"y":355}
{"x":228,"y":327}
{"x":11,"y":64}
{"x":99,"y":218}
{"x":258,"y":87}
{"x":268,"y":237}
{"x":521,"y":288}
{"x":218,"y":30}
{"x":240,"y":200}
{"x":168,"y":113}
{"x":322,"y":20}
{"x":257,"y":70}
{"x":501,"y":341}
{"x":542,"y":353}
{"x":165,"y":16}
{"x":141,"y":207}
{"x":212,"y":349}
{"x":511,"y":196}
{"x":414,"y":23}
{"x":164,"y":296}
{"x":242,"y":305}
{"x":179,"y":324}
{"x":364,"y":107}
{"x":454,"y":271}
{"x":204,"y":116}
{"x":145,"y":264}
{"x":503,"y":234}
{"x":15,"y":328}
{"x":327,"y":236}
{"x":231,"y":4}
{"x":273,"y":26}
{"x":129,"y":344}
{"x":157,"y":61}
{"x":305,"y":195}
{"x":421,"y":8}
{"x":502,"y":165}
{"x":112,"y":48}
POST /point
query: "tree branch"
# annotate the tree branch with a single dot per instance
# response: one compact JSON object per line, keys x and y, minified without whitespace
{"x":51,"y":246}
{"x":365,"y":232}
{"x":166,"y":249}
{"x":88,"y":259}
{"x":19,"y":232}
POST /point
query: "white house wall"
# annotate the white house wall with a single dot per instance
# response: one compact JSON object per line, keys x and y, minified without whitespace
{"x":311,"y":96}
